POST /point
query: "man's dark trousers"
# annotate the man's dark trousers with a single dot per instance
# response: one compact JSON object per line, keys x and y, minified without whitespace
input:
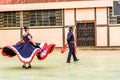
{"x":71,"y":52}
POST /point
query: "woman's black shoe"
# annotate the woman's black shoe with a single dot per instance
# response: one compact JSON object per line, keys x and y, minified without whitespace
{"x":23,"y":66}
{"x":26,"y":67}
{"x":29,"y":66}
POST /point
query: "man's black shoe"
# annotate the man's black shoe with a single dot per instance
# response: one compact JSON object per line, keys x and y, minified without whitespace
{"x":76,"y":60}
{"x":68,"y":61}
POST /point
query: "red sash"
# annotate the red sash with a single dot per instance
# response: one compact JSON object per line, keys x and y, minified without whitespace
{"x":63,"y":49}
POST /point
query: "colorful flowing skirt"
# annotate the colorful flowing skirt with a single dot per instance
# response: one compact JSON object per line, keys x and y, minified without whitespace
{"x":26,"y":51}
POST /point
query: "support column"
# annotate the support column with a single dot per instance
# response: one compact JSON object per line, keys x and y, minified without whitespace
{"x":63,"y":28}
{"x":108,"y":30}
{"x":21,"y":23}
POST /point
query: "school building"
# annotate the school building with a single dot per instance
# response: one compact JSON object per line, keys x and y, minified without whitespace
{"x":93,"y":21}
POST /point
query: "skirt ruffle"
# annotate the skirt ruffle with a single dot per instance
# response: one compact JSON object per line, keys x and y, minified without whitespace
{"x":26,"y":52}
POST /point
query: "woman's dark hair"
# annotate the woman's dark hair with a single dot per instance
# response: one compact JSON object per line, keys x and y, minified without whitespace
{"x":25,"y":28}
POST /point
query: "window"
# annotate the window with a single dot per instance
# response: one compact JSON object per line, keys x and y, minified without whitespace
{"x":31,"y":18}
{"x":42,"y":18}
{"x":9,"y":19}
{"x":113,"y":19}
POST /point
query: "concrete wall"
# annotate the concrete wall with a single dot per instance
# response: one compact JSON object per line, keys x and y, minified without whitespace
{"x":114,"y":36}
{"x":57,"y":5}
{"x":9,"y":37}
{"x":92,"y":11}
{"x":101,"y":27}
{"x":85,"y":14}
{"x":48,"y":35}
{"x":101,"y":16}
{"x":69,"y":17}
{"x":101,"y":36}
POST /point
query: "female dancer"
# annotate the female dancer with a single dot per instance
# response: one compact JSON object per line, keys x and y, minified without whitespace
{"x":26,"y":49}
{"x":27,"y":38}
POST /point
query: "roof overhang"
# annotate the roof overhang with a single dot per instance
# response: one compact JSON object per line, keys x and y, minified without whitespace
{"x":56,"y":5}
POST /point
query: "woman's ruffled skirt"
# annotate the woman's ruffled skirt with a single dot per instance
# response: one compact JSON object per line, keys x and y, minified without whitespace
{"x":26,"y":52}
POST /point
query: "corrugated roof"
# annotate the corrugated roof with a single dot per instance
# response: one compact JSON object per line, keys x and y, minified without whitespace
{"x":5,"y":1}
{"x":33,"y":1}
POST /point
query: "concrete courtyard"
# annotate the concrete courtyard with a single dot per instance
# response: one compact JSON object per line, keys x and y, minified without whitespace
{"x":93,"y":65}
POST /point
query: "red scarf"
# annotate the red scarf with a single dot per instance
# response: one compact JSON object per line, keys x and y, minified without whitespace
{"x":63,"y":49}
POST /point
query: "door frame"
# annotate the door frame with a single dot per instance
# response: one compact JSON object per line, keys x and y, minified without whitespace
{"x":86,"y":21}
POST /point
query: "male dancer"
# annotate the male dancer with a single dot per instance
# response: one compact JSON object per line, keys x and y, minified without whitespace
{"x":70,"y":40}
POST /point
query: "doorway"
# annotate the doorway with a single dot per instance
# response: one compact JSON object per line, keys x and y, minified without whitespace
{"x":85,"y":34}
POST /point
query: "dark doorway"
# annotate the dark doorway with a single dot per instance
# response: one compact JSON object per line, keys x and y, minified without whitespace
{"x":85,"y":34}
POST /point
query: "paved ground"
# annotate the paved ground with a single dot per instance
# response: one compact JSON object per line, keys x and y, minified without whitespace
{"x":93,"y":65}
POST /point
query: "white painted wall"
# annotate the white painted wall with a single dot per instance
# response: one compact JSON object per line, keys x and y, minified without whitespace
{"x":57,"y":5}
{"x":101,"y":16}
{"x":48,"y":35}
{"x":69,"y":16}
{"x":101,"y":36}
{"x":9,"y":37}
{"x":85,"y":14}
{"x":114,"y":36}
